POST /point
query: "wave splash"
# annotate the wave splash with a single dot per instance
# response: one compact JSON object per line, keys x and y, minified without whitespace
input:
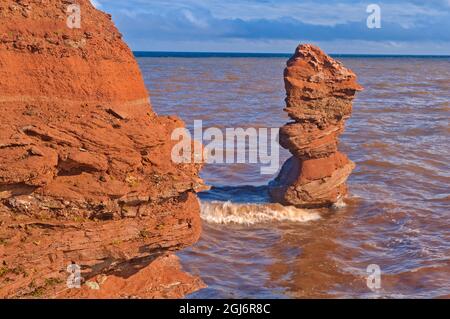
{"x":250,"y":214}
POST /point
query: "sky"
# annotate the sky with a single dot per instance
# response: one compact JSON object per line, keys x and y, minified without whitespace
{"x":278,"y":26}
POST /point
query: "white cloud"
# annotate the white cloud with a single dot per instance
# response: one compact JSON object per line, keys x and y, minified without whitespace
{"x":193,"y":19}
{"x":269,"y":25}
{"x":328,"y":13}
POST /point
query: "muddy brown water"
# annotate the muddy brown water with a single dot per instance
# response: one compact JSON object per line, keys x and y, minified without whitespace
{"x":398,"y":208}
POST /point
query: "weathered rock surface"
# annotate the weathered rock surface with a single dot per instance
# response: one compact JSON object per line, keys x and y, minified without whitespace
{"x":85,"y":169}
{"x":163,"y":278}
{"x":319,"y":99}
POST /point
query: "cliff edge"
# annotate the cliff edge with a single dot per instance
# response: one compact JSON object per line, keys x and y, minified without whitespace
{"x":85,"y":170}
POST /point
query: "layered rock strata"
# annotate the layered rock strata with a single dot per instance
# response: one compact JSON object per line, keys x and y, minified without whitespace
{"x":320,"y":91}
{"x":86,"y":175}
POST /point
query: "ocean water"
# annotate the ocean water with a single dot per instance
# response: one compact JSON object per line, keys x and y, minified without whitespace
{"x":398,"y":212}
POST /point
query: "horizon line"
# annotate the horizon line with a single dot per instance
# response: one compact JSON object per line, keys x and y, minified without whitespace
{"x":142,"y":53}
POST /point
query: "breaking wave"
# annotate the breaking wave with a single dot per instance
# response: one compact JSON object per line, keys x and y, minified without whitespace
{"x":249,"y":214}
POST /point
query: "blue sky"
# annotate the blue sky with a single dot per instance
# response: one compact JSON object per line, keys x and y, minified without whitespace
{"x":338,"y":26}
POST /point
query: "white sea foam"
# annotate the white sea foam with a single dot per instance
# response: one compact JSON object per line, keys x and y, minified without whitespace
{"x":249,"y":214}
{"x":339,"y":204}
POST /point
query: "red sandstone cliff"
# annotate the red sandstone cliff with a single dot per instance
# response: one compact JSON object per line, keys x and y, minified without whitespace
{"x":85,"y":169}
{"x":320,"y":91}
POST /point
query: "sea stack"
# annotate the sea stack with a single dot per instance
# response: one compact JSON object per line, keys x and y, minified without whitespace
{"x":320,"y":91}
{"x":86,"y":177}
